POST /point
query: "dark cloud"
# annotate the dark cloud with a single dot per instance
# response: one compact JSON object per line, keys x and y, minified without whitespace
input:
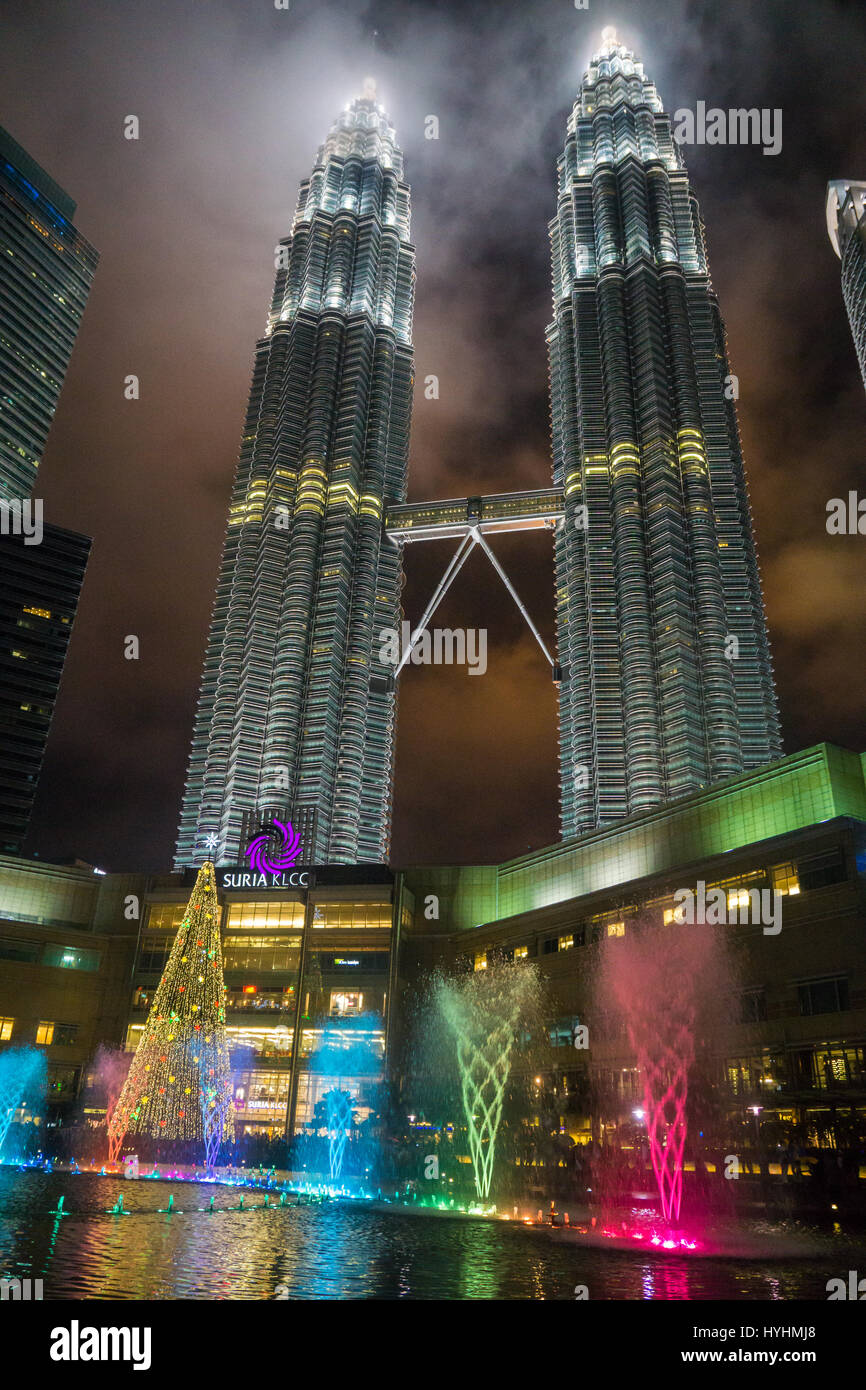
{"x":233,"y":99}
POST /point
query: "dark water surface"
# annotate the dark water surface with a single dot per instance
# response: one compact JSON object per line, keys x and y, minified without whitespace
{"x":333,"y":1251}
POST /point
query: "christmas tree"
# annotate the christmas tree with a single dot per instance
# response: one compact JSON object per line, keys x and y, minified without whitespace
{"x":179,"y":1083}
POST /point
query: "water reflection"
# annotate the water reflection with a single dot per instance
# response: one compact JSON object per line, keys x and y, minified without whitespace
{"x":333,"y":1252}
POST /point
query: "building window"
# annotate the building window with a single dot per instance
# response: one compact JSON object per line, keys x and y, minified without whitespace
{"x":835,"y":1067}
{"x":25,"y":951}
{"x":821,"y":870}
{"x":828,"y":996}
{"x":784,"y":879}
{"x":62,"y":1082}
{"x":566,"y":942}
{"x":155,"y":951}
{"x":64,"y":1034}
{"x":165,"y":917}
{"x":346,"y":1003}
{"x":521,"y":952}
{"x":71,"y":958}
{"x":254,"y":953}
{"x":616,"y":928}
{"x":757,"y":1075}
{"x":262,"y":1095}
{"x":268,"y":916}
{"x":6,"y":1026}
{"x":551,"y":946}
{"x":275,"y":1041}
{"x":481,"y":960}
{"x":339,"y":916}
{"x":45,"y":1034}
{"x":753,"y":1006}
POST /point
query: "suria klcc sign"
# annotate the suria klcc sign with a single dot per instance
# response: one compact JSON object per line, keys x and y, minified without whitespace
{"x":272,"y":859}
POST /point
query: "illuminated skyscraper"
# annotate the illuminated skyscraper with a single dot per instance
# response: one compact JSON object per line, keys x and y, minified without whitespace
{"x":667,"y":682}
{"x":846,"y":227}
{"x":47,"y":269}
{"x":296,"y":712}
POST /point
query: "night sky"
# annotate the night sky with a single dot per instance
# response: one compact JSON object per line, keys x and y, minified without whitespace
{"x":233,"y":98}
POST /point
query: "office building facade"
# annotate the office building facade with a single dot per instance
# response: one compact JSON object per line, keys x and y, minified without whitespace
{"x":296,"y":711}
{"x":667,"y":684}
{"x":47,"y":269}
{"x":39,"y":591}
{"x":846,"y":228}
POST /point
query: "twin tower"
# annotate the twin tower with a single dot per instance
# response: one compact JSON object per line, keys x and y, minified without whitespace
{"x":664,"y":671}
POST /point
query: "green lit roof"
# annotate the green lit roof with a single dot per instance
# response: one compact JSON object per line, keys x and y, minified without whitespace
{"x":793,"y":793}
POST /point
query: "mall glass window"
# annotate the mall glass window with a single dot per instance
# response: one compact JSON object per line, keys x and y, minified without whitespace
{"x":835,"y":1067}
{"x":331,"y":916}
{"x":274,"y":1041}
{"x":64,"y":1034}
{"x":759,"y":1074}
{"x":827,"y":996}
{"x":25,"y":951}
{"x":155,"y":951}
{"x":262,"y":1095}
{"x":345,"y":1040}
{"x":784,"y":879}
{"x":261,"y":953}
{"x":311,"y":1092}
{"x":265,"y":916}
{"x":262,"y":999}
{"x":821,"y":870}
{"x":71,"y":958}
{"x":165,"y":917}
{"x":753,"y":1006}
{"x":344,"y":1003}
{"x":62,"y":1082}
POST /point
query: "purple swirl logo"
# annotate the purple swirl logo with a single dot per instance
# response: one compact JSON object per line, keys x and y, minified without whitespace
{"x":266,"y":857}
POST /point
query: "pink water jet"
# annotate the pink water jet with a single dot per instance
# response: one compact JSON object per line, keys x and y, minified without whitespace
{"x":657,"y":982}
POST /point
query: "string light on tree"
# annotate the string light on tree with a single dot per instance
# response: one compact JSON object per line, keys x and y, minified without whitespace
{"x":179,"y":1083}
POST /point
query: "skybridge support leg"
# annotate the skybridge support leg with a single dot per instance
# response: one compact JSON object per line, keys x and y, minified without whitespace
{"x":513,"y":592}
{"x":461,"y":555}
{"x":472,"y":538}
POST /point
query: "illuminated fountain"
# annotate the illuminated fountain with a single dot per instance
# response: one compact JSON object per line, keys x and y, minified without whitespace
{"x":666,"y":990}
{"x":108,"y":1073}
{"x":22,"y":1082}
{"x":484,"y":1012}
{"x":340,"y":1110}
{"x":349,"y":1051}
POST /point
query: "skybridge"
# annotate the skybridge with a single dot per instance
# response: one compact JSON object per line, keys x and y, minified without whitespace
{"x":471,"y":520}
{"x":500,"y":511}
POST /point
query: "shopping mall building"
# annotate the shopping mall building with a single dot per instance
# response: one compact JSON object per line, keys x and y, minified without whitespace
{"x":340,"y":948}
